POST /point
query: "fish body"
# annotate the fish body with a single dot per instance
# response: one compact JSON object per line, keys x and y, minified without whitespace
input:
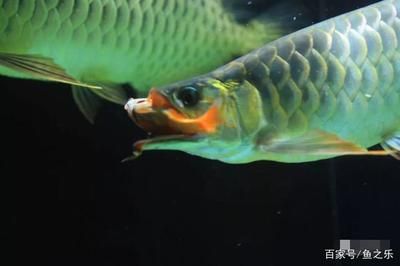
{"x":143,"y":43}
{"x":327,"y":90}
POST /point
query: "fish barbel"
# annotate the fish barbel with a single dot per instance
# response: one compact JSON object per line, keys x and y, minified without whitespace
{"x":106,"y":43}
{"x":327,"y":90}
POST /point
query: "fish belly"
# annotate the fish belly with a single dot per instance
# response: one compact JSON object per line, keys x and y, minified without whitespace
{"x":145,"y":43}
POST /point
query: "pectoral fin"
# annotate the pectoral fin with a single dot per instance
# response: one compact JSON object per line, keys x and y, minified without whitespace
{"x":40,"y":67}
{"x":112,"y":93}
{"x":87,"y":102}
{"x":317,"y":143}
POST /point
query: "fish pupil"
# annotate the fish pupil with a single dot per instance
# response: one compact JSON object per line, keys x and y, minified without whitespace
{"x":189,"y":96}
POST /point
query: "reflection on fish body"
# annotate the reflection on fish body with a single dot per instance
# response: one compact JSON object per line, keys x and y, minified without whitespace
{"x":107,"y":42}
{"x":328,"y":90}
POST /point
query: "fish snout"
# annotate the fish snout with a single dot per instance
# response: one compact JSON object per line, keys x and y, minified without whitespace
{"x":143,"y":114}
{"x":139,"y":106}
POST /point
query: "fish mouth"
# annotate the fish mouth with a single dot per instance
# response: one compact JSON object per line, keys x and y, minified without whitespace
{"x":153,"y":114}
{"x":165,"y":123}
{"x":158,"y":116}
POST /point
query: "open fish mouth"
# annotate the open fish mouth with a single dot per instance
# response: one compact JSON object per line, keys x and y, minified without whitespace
{"x":132,"y":104}
{"x":158,"y":116}
{"x":167,"y":124}
{"x":152,"y":114}
{"x":135,"y":107}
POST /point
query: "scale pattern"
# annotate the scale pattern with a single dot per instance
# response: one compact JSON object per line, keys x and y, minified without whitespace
{"x":143,"y":42}
{"x":331,"y":76}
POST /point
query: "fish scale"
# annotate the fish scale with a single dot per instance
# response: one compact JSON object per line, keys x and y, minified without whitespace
{"x":337,"y":76}
{"x":144,"y":43}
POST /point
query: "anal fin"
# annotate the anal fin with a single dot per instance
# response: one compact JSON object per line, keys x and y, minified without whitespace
{"x":392,"y":146}
{"x":318,"y":143}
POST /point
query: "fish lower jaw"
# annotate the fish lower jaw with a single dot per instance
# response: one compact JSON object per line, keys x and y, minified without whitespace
{"x":162,"y":142}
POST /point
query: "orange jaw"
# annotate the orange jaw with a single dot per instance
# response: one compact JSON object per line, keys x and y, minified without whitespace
{"x":158,"y":116}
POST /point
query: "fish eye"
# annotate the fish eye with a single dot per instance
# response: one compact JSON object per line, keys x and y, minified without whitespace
{"x":189,"y":96}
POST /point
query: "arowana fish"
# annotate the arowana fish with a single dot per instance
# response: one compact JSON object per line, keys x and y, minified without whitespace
{"x":101,"y":44}
{"x":327,"y":90}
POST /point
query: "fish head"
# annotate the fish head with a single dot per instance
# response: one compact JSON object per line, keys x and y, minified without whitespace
{"x":199,"y":116}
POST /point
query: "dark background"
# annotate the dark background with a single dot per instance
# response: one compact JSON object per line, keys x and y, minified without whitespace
{"x":78,"y":205}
